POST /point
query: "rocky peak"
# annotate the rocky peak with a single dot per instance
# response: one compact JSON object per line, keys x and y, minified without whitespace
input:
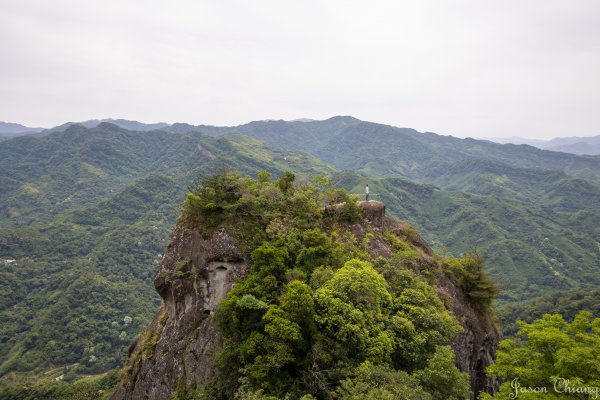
{"x":180,"y":345}
{"x":373,"y":212}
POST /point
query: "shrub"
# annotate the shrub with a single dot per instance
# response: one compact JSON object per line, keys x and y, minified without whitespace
{"x":469,"y":273}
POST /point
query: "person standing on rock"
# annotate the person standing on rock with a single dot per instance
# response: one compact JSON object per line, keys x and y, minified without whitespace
{"x":367,"y":193}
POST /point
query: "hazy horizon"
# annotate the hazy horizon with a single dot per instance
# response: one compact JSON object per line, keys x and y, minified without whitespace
{"x":466,"y":68}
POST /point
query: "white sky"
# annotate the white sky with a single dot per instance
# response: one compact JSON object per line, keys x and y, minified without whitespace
{"x":464,"y":67}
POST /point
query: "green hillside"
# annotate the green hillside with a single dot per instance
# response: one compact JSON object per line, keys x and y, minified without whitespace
{"x":44,"y":176}
{"x":528,"y":248}
{"x":87,"y":244}
{"x":383,"y":150}
{"x":542,"y":187}
{"x":566,"y":303}
{"x":81,"y":287}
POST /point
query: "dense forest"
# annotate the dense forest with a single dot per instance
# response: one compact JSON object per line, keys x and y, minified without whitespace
{"x":550,"y":358}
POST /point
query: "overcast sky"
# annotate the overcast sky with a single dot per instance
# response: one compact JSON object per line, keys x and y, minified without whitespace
{"x":467,"y":68}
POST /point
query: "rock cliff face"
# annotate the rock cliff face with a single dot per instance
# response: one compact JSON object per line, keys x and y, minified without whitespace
{"x":475,"y":348}
{"x":179,"y":346}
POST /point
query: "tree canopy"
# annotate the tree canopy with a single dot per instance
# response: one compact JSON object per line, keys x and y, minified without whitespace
{"x":560,"y":358}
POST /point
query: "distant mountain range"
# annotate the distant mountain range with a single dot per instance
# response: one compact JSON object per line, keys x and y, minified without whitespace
{"x":577,"y":145}
{"x":122,"y":123}
{"x":10,"y":129}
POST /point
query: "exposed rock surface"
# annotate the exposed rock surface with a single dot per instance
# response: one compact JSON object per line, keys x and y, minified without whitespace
{"x":179,"y":346}
{"x":373,"y":212}
{"x":475,"y":347}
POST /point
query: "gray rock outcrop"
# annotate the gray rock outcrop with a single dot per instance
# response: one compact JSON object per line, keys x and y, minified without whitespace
{"x":180,"y":344}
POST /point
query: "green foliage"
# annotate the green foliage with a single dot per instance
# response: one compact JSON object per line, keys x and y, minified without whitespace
{"x":442,"y":379}
{"x":380,"y":382}
{"x":320,"y":276}
{"x":468,"y":272}
{"x":216,"y":196}
{"x":249,"y":302}
{"x":313,"y":248}
{"x":550,"y":351}
{"x":285,"y":182}
{"x":280,"y":205}
{"x":93,"y":387}
{"x":352,"y":310}
{"x":342,"y":206}
{"x":421,"y":322}
{"x":310,"y":338}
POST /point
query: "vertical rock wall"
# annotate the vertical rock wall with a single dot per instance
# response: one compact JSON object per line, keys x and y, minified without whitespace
{"x":180,"y":344}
